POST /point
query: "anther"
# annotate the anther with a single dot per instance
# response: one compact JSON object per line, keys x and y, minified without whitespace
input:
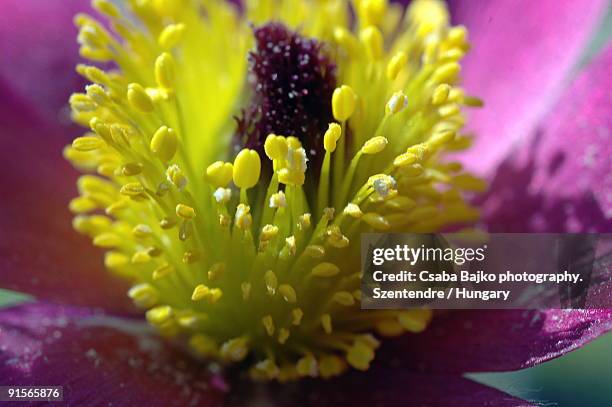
{"x":374,"y":145}
{"x":222,"y":195}
{"x":175,"y":175}
{"x":185,"y":212}
{"x":372,"y":39}
{"x":140,"y":257}
{"x":131,"y":169}
{"x":276,"y":147}
{"x":297,"y":314}
{"x":353,"y":210}
{"x":326,"y":323}
{"x":164,"y":71}
{"x":396,"y":103}
{"x":325,"y":269}
{"x":271,"y":282}
{"x":440,"y":94}
{"x":171,"y":35}
{"x":396,"y":64}
{"x":159,"y":315}
{"x":344,"y":101}
{"x":163,"y":271}
{"x":283,"y":335}
{"x":288,"y":293}
{"x":143,"y":295}
{"x":360,"y":356}
{"x":216,"y":271}
{"x":344,"y":298}
{"x":307,"y":366}
{"x":210,"y":295}
{"x":219,"y":173}
{"x":446,"y":73}
{"x":234,"y":350}
{"x":138,"y":98}
{"x":107,"y":240}
{"x":268,"y":324}
{"x":331,"y":137}
{"x":164,"y":143}
{"x":247,"y":168}
{"x":278,"y":200}
{"x":372,"y":11}
{"x":88,"y":143}
{"x":243,"y":218}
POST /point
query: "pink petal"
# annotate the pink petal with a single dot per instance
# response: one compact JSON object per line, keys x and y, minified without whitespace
{"x":103,"y":360}
{"x":522,"y":52}
{"x":99,"y":360}
{"x":560,"y":180}
{"x":39,"y":50}
{"x":497,"y":340}
{"x":40,"y":253}
{"x":376,"y":387}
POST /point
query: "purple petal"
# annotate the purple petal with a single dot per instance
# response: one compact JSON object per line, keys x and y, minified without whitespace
{"x":40,"y":253}
{"x":99,"y":360}
{"x":560,"y":180}
{"x":379,"y":387}
{"x":39,"y":40}
{"x":522,"y":51}
{"x":497,"y":340}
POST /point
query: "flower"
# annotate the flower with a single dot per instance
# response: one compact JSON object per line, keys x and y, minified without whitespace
{"x":267,"y":271}
{"x":83,"y":345}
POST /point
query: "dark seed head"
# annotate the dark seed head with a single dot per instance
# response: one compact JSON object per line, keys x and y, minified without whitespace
{"x":293,"y":81}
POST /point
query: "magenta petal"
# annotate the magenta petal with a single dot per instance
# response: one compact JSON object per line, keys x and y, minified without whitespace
{"x":496,"y":340}
{"x":39,"y":51}
{"x":40,"y":253}
{"x":560,"y":180}
{"x":100,"y":360}
{"x":376,"y":387}
{"x":522,"y":52}
{"x":103,"y":360}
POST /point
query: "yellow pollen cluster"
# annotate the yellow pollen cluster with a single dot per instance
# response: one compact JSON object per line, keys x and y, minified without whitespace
{"x":239,"y":264}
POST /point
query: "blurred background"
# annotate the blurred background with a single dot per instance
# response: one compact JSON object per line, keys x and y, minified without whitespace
{"x":580,"y":378}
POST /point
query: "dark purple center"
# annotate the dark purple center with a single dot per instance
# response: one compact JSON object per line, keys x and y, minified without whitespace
{"x":293,"y":81}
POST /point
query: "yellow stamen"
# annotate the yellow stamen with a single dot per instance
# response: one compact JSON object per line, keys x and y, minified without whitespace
{"x":88,"y":143}
{"x":247,"y":167}
{"x":164,"y":143}
{"x":165,"y":71}
{"x":374,"y":145}
{"x":331,"y":137}
{"x":326,"y":323}
{"x":185,"y":212}
{"x":396,"y":103}
{"x":268,"y":274}
{"x":325,"y":270}
{"x":138,"y":98}
{"x":307,"y":366}
{"x":372,"y":39}
{"x":171,"y":35}
{"x":344,"y":101}
{"x":220,"y":173}
{"x":288,"y":293}
{"x":360,"y":356}
{"x":396,"y":64}
{"x":143,"y":295}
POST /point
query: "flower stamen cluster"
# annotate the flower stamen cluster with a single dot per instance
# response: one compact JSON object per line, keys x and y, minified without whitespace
{"x":238,"y":264}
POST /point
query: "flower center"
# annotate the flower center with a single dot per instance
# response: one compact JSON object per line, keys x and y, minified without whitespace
{"x":264,"y":269}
